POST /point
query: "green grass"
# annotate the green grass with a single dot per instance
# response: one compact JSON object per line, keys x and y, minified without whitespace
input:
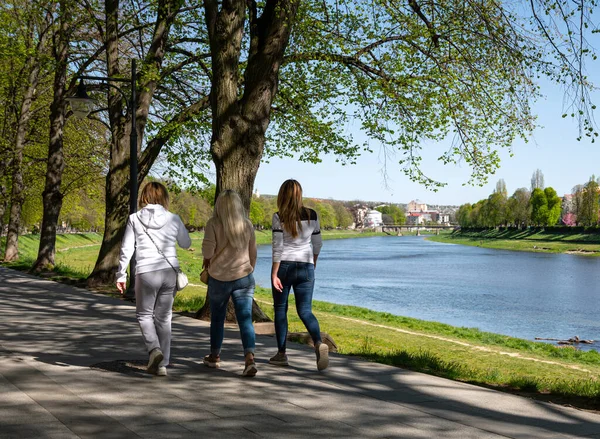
{"x":464,"y":354}
{"x":525,"y":240}
{"x":539,"y":369}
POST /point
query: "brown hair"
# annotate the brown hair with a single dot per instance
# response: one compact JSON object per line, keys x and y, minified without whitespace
{"x":154,"y":193}
{"x":289,"y":203}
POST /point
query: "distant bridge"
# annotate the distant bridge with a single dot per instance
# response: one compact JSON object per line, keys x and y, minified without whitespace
{"x":398,"y":228}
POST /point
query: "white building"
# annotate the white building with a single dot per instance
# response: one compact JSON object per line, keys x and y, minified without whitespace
{"x":373,"y":218}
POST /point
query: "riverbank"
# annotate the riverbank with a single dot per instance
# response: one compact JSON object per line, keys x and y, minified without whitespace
{"x":540,"y":370}
{"x":76,"y":253}
{"x":524,"y":240}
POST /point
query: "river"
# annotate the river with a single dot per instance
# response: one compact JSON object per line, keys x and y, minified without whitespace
{"x":520,"y":294}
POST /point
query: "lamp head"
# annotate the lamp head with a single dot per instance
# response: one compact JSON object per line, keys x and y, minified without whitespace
{"x":81,"y":103}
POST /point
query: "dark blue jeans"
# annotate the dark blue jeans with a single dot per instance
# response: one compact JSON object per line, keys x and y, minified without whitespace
{"x":301,"y":277}
{"x":242,"y":292}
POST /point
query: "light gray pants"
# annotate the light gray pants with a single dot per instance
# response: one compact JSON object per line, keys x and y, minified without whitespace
{"x":154,"y":294}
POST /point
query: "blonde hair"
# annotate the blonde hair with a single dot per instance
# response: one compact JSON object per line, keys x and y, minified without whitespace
{"x":154,"y":193}
{"x":289,"y":203}
{"x":230,"y":212}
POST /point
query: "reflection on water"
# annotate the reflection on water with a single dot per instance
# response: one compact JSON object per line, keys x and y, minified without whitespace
{"x":521,"y":294}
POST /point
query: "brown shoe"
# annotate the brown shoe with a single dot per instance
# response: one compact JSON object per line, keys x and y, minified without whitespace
{"x":250,"y":370}
{"x":212,"y":361}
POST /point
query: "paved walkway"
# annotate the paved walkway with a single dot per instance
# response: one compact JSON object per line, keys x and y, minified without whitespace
{"x":50,"y":335}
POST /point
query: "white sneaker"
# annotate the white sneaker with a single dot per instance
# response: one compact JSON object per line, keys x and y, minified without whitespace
{"x":161,"y":371}
{"x":322,"y":352}
{"x":156,"y":356}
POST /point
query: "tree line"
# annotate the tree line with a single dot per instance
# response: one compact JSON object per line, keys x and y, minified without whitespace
{"x":223,"y":85}
{"x":538,"y":206}
{"x":195,"y":208}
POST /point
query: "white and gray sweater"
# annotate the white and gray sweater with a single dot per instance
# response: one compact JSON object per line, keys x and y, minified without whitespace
{"x":302,"y":247}
{"x":166,"y":229}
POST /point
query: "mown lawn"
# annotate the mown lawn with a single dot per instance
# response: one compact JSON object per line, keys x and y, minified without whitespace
{"x":584,"y":244}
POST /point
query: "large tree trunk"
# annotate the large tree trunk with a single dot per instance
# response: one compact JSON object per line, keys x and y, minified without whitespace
{"x":16,"y":202}
{"x":239,"y":124}
{"x":3,"y":203}
{"x":52,"y":197}
{"x":4,"y":166}
{"x":17,"y":197}
{"x":117,"y":211}
{"x":32,"y":68}
{"x":7,"y":134}
{"x":117,"y":180}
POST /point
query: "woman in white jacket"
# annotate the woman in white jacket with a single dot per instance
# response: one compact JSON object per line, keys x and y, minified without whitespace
{"x":155,"y":277}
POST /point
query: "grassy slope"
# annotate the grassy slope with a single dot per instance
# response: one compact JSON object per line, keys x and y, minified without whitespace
{"x":458,"y":353}
{"x":586,"y":244}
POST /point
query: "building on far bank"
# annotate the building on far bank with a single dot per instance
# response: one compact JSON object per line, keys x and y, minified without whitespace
{"x":373,"y":218}
{"x":418,"y":213}
{"x":416,"y":206}
{"x":365,"y":217}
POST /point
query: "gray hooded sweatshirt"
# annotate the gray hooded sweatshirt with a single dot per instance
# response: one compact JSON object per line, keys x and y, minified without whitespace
{"x":165,"y":228}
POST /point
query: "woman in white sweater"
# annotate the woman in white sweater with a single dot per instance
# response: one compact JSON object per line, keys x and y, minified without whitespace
{"x":151,"y":228}
{"x":296,"y":246}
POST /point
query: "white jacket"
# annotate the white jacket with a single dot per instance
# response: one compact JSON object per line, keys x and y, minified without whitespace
{"x":164,"y":227}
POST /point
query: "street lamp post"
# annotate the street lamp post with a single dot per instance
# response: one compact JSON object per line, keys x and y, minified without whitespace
{"x":81,"y":104}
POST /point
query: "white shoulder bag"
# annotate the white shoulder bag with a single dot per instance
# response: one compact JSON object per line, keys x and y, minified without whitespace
{"x":182,"y":279}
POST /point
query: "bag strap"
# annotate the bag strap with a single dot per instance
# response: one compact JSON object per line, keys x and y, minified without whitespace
{"x":217,"y":253}
{"x":156,"y":245}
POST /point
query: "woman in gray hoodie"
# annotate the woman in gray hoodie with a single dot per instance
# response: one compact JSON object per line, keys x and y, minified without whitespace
{"x":151,"y":229}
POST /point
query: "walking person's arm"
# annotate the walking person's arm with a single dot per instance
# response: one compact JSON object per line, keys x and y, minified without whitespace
{"x":127,"y":249}
{"x":252,"y":248}
{"x":316,"y":241}
{"x":277,"y":251}
{"x":183,"y":236}
{"x":274,"y":279}
{"x":209,"y":244}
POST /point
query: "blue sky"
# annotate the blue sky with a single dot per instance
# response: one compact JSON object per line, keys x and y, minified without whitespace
{"x":553,"y":148}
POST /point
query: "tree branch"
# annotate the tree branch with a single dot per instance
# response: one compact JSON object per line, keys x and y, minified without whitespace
{"x":155,"y":145}
{"x":417,"y":10}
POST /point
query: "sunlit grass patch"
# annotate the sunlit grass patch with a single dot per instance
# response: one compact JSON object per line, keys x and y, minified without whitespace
{"x":536,"y":241}
{"x":190,"y":299}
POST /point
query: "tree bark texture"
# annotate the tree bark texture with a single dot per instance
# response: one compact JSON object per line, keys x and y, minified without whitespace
{"x":258,"y":314}
{"x":117,"y":187}
{"x":52,"y":196}
{"x":239,"y":124}
{"x":32,"y":69}
{"x":3,"y":190}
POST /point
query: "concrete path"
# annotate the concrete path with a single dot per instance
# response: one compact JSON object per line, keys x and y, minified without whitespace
{"x":50,"y":335}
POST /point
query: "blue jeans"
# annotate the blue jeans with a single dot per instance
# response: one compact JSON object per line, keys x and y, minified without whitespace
{"x":301,"y":277}
{"x":242,"y":292}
